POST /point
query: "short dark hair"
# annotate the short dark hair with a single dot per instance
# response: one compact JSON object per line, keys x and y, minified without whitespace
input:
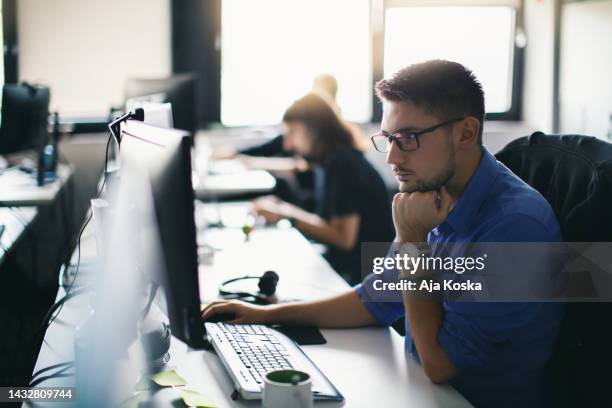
{"x":328,"y":130}
{"x":443,"y":88}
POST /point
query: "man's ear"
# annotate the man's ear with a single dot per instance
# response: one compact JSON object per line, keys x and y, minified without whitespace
{"x":470,"y":128}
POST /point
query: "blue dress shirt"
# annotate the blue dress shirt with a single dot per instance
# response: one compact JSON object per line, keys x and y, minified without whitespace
{"x":500,"y":349}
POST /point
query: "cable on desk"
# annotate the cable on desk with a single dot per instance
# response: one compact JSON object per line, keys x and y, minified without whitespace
{"x":59,"y":374}
{"x":154,"y":287}
{"x":50,"y":316}
{"x":57,"y":306}
{"x":51,"y":367}
{"x":66,"y":201}
{"x":78,"y":245}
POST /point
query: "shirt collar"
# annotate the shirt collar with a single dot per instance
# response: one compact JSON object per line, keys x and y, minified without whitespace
{"x":466,"y":208}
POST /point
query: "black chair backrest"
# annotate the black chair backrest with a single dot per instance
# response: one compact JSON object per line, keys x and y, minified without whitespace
{"x":574,"y":173}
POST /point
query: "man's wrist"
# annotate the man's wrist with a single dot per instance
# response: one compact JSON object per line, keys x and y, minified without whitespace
{"x":411,"y":236}
{"x":412,"y":250}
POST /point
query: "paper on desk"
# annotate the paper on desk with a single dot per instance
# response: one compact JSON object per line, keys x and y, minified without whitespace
{"x":168,"y":379}
{"x":195,"y":399}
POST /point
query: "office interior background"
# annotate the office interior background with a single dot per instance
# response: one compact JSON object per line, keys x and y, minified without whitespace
{"x":544,"y":64}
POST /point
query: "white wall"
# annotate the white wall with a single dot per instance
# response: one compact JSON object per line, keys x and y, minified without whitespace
{"x":85,"y":49}
{"x":586,"y":68}
{"x":539,"y":62}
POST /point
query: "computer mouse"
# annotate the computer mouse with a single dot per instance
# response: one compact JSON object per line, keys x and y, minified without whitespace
{"x":221,"y":317}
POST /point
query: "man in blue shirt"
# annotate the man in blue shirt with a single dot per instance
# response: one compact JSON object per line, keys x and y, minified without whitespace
{"x":451,"y":190}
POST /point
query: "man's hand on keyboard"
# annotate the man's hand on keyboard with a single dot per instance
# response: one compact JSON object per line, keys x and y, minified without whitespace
{"x":244,"y":313}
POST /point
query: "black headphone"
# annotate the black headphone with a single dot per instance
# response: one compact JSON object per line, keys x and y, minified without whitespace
{"x":267,"y":287}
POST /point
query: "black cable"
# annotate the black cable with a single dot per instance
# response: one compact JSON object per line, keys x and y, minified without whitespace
{"x":58,"y":305}
{"x":105,"y":166}
{"x":81,"y":233}
{"x":69,"y":289}
{"x":51,"y":367}
{"x":152,"y":294}
{"x":59,"y":374}
{"x":49,"y":316}
{"x":64,"y":196}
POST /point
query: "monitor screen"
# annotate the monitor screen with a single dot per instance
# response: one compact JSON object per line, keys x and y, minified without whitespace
{"x":167,"y":154}
{"x":179,"y":90}
{"x":155,"y":113}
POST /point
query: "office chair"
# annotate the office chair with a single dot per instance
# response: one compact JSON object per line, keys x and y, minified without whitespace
{"x":574,"y":173}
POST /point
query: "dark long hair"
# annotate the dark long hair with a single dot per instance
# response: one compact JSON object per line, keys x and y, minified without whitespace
{"x":328,"y":130}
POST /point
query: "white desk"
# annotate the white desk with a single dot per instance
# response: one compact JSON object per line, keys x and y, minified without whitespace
{"x":368,"y":365}
{"x":230,"y":178}
{"x":20,"y":189}
{"x":15,"y":221}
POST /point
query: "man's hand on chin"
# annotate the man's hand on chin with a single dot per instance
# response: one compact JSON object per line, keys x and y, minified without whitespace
{"x":414,"y":215}
{"x":417,"y":213}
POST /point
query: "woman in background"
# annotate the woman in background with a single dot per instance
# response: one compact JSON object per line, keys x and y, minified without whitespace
{"x":351,"y":200}
{"x":294,"y":178}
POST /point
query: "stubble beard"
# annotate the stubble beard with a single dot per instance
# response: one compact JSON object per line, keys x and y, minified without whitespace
{"x":435,"y":183}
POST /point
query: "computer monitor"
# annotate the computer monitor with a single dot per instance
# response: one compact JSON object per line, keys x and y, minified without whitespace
{"x":25,"y":112}
{"x":169,"y":173}
{"x":179,"y":90}
{"x":137,"y":101}
{"x":155,"y":113}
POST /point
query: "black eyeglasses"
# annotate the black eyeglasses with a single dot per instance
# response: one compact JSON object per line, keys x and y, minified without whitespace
{"x":406,"y":140}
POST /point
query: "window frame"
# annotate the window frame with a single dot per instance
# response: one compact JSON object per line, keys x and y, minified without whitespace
{"x":379,"y":8}
{"x":210,"y":65}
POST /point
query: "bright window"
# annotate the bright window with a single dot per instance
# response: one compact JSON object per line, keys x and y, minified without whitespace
{"x":481,"y":38}
{"x":273,"y":49}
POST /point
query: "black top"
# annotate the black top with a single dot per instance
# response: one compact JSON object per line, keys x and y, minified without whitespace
{"x":271,"y":148}
{"x":348,"y":184}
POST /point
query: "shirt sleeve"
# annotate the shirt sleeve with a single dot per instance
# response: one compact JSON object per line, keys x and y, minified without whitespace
{"x":385,"y":312}
{"x":385,"y":306}
{"x":270,"y":148}
{"x":472,"y":332}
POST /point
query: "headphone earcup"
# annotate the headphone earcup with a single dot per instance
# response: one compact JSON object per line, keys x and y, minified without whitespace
{"x":267,"y":283}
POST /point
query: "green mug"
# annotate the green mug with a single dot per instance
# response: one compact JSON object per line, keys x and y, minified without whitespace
{"x":287,"y":388}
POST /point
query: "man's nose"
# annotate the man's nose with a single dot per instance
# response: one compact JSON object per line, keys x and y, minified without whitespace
{"x":395,"y":155}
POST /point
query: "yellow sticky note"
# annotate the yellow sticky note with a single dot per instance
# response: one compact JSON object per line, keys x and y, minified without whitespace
{"x":195,"y":399}
{"x":168,"y":379}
